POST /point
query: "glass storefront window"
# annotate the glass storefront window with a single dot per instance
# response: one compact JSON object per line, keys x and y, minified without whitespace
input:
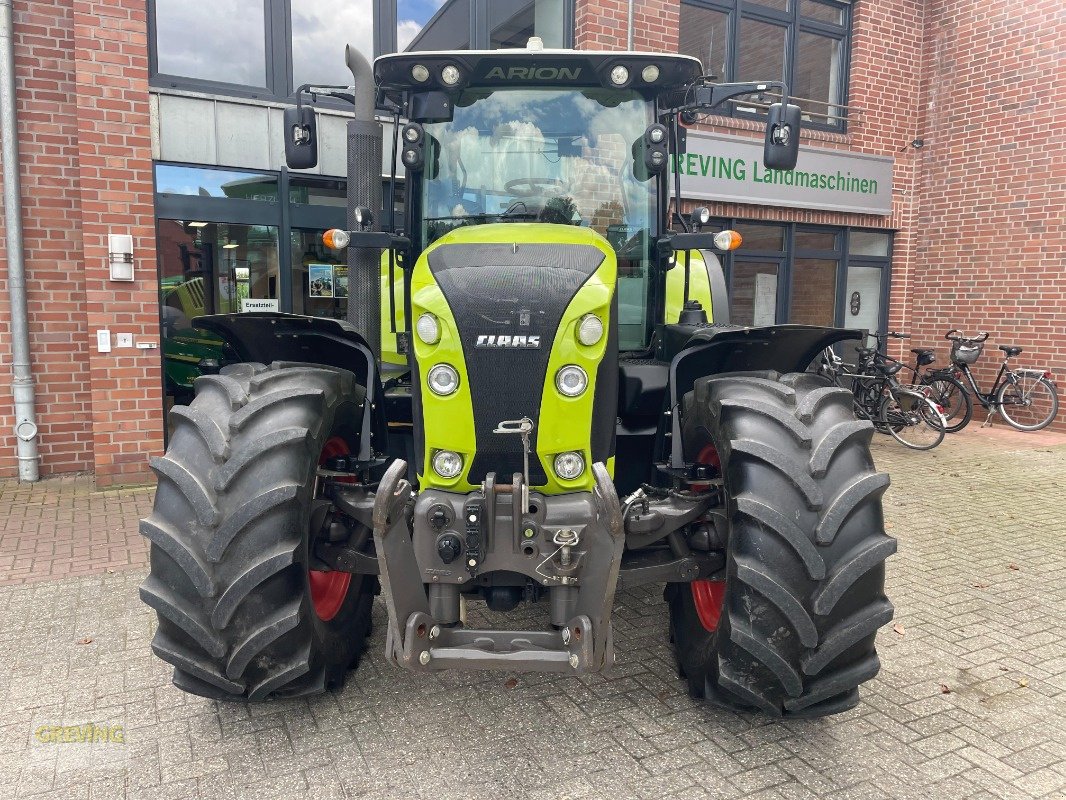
{"x":318,"y":191}
{"x":823,"y":12}
{"x":208,"y":268}
{"x":770,"y":238}
{"x":319,"y":276}
{"x":862,"y":301}
{"x":431,"y":25}
{"x":753,"y":295}
{"x":814,"y":292}
{"x":762,"y":51}
{"x":196,"y":40}
{"x":802,"y":42}
{"x":206,"y":182}
{"x":320,"y":31}
{"x":869,"y":243}
{"x":705,"y":35}
{"x":819,"y":239}
{"x":817,"y":74}
{"x":513,"y":22}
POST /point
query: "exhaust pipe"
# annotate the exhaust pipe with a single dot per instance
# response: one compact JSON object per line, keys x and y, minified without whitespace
{"x":364,"y":189}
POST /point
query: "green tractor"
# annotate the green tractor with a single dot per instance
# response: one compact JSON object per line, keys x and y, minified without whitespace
{"x":537,"y":398}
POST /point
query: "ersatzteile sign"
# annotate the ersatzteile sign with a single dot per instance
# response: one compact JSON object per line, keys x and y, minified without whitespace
{"x":265,"y":304}
{"x":729,"y":168}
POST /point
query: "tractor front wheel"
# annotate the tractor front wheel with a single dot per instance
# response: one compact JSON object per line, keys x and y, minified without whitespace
{"x":241,"y":614}
{"x":790,"y":631}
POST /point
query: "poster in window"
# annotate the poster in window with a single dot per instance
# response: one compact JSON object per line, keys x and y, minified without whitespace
{"x":320,"y":280}
{"x":340,"y":281}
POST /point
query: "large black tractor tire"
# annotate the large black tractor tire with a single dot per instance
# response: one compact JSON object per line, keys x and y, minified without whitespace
{"x":804,"y":585}
{"x":229,"y":536}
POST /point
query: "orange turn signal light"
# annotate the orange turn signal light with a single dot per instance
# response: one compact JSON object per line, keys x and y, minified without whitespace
{"x":336,"y":239}
{"x":728,"y":240}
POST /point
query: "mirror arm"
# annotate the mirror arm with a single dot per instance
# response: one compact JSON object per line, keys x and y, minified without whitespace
{"x":704,"y":99}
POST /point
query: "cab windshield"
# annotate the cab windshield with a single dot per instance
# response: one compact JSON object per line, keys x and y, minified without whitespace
{"x":548,"y":155}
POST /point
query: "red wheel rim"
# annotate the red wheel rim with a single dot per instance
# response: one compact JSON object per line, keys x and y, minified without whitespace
{"x":329,"y":588}
{"x":708,"y":597}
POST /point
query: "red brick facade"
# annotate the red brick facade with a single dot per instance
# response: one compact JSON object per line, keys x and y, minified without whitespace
{"x":979,"y":211}
{"x":85,"y":139}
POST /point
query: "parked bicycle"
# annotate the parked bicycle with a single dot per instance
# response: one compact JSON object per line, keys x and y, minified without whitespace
{"x":942,"y":385}
{"x":1026,"y":398}
{"x":906,"y":413}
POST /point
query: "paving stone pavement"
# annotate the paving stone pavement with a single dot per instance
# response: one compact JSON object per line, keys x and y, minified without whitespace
{"x":970,"y":702}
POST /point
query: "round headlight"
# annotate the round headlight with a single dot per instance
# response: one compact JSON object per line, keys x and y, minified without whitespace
{"x":428,"y":328}
{"x":619,"y":75}
{"x":701,"y":215}
{"x":571,"y":380}
{"x":589,"y":330}
{"x":650,"y":73}
{"x":569,"y":466}
{"x":443,"y":379}
{"x":450,"y":75}
{"x":412,"y":132}
{"x":420,"y":72}
{"x":447,"y":464}
{"x":657,"y":134}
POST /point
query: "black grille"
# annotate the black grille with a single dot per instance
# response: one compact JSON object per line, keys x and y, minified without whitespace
{"x":510,"y":290}
{"x":364,"y":266}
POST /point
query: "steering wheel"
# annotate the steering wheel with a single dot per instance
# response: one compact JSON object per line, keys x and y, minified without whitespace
{"x":531,"y":187}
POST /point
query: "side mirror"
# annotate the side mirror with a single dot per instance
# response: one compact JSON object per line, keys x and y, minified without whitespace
{"x":301,"y":137}
{"x":781,"y":149}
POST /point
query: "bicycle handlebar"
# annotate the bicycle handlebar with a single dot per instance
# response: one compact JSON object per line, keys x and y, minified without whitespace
{"x":975,"y":339}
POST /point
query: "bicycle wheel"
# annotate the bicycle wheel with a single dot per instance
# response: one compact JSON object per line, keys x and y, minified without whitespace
{"x":1029,"y":403}
{"x":912,"y":420}
{"x":950,"y":394}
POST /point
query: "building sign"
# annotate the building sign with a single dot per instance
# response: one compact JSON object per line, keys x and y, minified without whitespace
{"x":730,"y":169}
{"x":265,"y":304}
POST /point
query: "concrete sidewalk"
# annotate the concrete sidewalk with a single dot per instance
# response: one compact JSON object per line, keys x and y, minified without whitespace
{"x":970,"y":702}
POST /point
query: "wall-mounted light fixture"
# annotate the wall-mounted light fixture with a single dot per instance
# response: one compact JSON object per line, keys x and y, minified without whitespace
{"x":120,"y":256}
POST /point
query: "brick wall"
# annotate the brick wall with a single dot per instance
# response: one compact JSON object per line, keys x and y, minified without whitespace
{"x":51,"y":201}
{"x":84,"y":134}
{"x":991,"y":230}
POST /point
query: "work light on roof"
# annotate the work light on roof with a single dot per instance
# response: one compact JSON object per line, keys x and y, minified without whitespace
{"x":450,"y":75}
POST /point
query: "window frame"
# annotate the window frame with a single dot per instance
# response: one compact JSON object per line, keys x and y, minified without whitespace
{"x":794,"y":25}
{"x":277,"y":33}
{"x":786,"y":259}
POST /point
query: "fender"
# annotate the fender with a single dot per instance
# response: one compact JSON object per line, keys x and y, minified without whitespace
{"x":715,"y":351}
{"x":269,"y":336}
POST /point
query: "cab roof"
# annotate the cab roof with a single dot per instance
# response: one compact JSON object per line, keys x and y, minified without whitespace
{"x":534,"y":66}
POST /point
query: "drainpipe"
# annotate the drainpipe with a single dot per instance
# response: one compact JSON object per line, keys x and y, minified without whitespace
{"x":629,"y":27}
{"x":22,"y":373}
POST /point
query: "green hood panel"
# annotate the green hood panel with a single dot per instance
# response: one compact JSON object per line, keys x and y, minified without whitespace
{"x":493,"y":289}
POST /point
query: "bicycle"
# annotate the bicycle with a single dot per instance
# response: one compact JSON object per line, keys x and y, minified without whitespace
{"x":905,"y":413}
{"x":941,"y":385}
{"x":1027,"y":399}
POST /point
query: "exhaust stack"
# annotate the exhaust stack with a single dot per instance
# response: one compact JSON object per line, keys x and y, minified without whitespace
{"x":364,"y":189}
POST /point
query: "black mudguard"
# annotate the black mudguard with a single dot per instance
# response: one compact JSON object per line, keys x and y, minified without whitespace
{"x":698,"y":351}
{"x":267,"y":336}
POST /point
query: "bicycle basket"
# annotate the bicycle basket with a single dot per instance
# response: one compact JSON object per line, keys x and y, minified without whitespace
{"x":962,"y":353}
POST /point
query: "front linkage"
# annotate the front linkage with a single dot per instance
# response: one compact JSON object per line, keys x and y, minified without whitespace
{"x":433,"y":545}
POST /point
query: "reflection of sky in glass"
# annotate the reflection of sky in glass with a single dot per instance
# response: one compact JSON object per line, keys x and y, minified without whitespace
{"x":320,"y":30}
{"x":222,"y":40}
{"x":214,"y":183}
{"x":411,"y":17}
